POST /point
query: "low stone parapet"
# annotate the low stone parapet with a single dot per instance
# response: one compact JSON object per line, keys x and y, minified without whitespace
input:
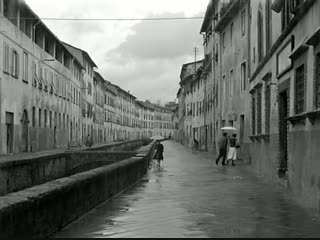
{"x":42,"y":210}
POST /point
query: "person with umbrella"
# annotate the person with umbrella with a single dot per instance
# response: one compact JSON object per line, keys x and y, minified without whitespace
{"x":232,"y":154}
{"x":223,"y":144}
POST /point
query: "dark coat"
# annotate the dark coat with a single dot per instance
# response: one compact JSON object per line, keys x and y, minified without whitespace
{"x":159,"y":152}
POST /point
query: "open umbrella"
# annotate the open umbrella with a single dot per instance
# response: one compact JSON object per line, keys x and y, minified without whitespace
{"x":229,"y":129}
{"x":157,"y":137}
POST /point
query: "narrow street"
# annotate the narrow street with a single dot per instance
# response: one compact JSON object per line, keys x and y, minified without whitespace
{"x":190,"y":196}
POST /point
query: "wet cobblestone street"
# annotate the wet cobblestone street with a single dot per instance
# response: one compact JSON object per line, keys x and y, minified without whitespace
{"x":190,"y":196}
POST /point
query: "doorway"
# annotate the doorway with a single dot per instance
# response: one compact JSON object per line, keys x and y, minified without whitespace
{"x":9,"y":132}
{"x":71,"y":131}
{"x":55,"y":137}
{"x":283,"y":132}
{"x":25,"y":131}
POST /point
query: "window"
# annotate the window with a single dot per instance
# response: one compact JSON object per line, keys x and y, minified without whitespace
{"x":33,"y":117}
{"x":15,"y":64}
{"x":259,"y":112}
{"x":45,"y":118}
{"x":299,"y":90}
{"x":223,"y":40}
{"x":6,"y":58}
{"x":231,"y":83}
{"x":50,"y":119}
{"x":39,"y":117}
{"x":268,"y":24}
{"x":253,"y":113}
{"x":231,"y":33}
{"x":224,"y":86}
{"x":260,"y":35}
{"x":317,"y":82}
{"x":267,"y":102}
{"x":243,"y":76}
{"x":25,"y":67}
{"x":286,"y":14}
{"x":243,"y":22}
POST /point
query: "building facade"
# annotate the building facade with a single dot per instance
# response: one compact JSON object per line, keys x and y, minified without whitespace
{"x":234,"y":109}
{"x":40,"y":84}
{"x":190,"y":102}
{"x":50,"y":94}
{"x":284,"y":91}
{"x":110,"y":112}
{"x":87,"y":98}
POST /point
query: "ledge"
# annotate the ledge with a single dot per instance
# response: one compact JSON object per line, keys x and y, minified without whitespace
{"x":267,"y":76}
{"x":259,"y":84}
{"x":313,"y":115}
{"x":299,"y":118}
{"x":265,"y":137}
{"x":314,"y":39}
{"x":298,"y":51}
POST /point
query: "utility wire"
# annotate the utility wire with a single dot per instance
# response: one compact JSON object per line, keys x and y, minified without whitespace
{"x":112,"y":19}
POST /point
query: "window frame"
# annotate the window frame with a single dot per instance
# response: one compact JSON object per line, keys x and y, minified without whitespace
{"x":14,"y":69}
{"x":6,"y":58}
{"x":297,"y":94}
{"x":25,"y":66}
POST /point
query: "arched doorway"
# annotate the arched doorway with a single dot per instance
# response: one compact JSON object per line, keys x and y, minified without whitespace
{"x":25,"y":131}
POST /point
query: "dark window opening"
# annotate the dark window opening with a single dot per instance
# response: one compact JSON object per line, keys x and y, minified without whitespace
{"x":300,"y":90}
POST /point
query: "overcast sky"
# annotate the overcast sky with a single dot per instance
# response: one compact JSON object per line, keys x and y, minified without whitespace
{"x":144,"y":57}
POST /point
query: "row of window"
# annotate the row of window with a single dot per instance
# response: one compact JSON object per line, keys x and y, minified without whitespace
{"x":230,"y":84}
{"x":43,"y":78}
{"x":49,"y":119}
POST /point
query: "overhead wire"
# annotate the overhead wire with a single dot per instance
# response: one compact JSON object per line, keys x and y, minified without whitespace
{"x":112,"y":19}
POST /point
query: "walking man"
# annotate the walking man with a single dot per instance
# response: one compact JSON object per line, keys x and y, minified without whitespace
{"x":223,"y":143}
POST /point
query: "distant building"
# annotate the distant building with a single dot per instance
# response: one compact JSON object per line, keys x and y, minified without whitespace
{"x":192,"y":98}
{"x":87,"y":89}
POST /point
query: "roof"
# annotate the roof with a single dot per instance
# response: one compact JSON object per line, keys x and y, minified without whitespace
{"x":98,"y":76}
{"x":124,"y":91}
{"x":111,"y":88}
{"x":179,"y":92}
{"x":87,"y":56}
{"x":24,"y":4}
{"x":191,"y":72}
{"x":231,"y":9}
{"x":147,"y":104}
{"x":207,"y":17}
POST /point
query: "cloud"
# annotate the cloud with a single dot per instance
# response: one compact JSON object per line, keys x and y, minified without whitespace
{"x":149,"y":61}
{"x":160,"y":39}
{"x":144,"y":57}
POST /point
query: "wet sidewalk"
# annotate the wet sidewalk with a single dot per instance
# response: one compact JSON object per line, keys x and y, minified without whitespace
{"x":189,"y":196}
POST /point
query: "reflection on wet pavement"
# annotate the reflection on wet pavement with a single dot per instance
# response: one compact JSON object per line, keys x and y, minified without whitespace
{"x":189,"y":196}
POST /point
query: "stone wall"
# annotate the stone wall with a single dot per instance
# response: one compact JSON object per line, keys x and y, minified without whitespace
{"x":23,"y":173}
{"x":42,"y":210}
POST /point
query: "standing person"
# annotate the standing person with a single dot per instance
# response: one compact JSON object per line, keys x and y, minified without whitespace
{"x":159,"y":153}
{"x":196,"y":144}
{"x":223,"y":143}
{"x":232,"y":155}
{"x":88,"y":141}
